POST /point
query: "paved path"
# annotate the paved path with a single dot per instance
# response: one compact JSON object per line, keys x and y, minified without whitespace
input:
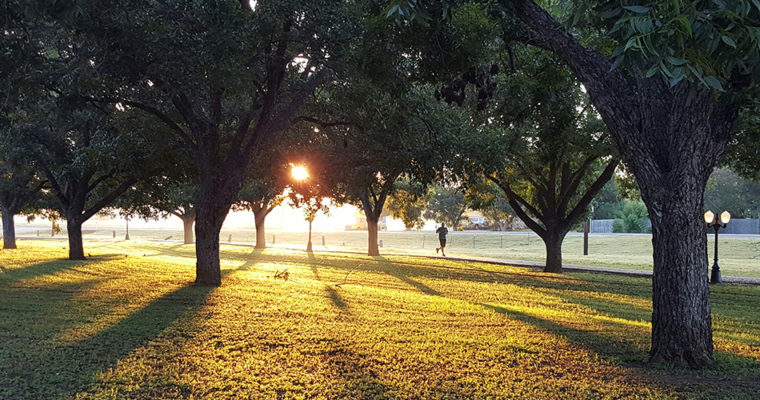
{"x":737,"y":280}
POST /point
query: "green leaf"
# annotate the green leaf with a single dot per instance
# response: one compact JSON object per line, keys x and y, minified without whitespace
{"x":616,"y":63}
{"x":652,"y":71}
{"x":727,"y":40}
{"x":632,"y":42}
{"x":392,"y":10}
{"x":614,"y":12}
{"x":675,"y":80}
{"x":714,"y":83}
{"x":637,"y":9}
{"x":677,"y":61}
{"x":685,"y":23}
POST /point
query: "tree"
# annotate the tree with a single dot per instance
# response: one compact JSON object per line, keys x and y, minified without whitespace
{"x":311,"y":193}
{"x":161,"y":197}
{"x":608,"y":202}
{"x":408,"y":201}
{"x":183,"y":199}
{"x":632,"y":218}
{"x":382,"y":135}
{"x":489,"y":199}
{"x":253,"y":66}
{"x":728,"y":191}
{"x":263,"y":190}
{"x":743,"y":152}
{"x":545,"y":148}
{"x":20,"y":182}
{"x":668,"y":79}
{"x":19,"y":187}
{"x":447,"y":204}
{"x":89,"y":156}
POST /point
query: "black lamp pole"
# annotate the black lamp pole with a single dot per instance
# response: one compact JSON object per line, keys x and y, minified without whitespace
{"x":715,"y":275}
{"x":716,"y":222}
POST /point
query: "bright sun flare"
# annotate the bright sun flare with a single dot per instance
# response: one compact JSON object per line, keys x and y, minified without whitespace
{"x":299,"y":173}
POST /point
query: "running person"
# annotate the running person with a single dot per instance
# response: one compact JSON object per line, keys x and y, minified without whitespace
{"x":441,"y":231}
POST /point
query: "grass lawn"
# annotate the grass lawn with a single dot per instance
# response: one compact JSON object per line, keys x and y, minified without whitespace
{"x":739,"y":256}
{"x":127,"y":323}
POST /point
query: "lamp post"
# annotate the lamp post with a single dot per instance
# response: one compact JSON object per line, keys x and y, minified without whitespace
{"x":713,"y":222}
{"x":300,"y":174}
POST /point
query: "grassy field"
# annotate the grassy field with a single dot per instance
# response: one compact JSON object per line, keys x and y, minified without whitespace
{"x":739,"y":256}
{"x":127,"y":323}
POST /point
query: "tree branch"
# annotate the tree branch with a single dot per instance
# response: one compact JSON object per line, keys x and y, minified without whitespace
{"x":580,"y":208}
{"x":108,"y":199}
{"x":514,"y":201}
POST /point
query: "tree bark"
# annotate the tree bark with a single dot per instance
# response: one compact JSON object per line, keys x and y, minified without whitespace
{"x":187,"y":225}
{"x":9,"y":229}
{"x":681,"y":321}
{"x":76,"y":246}
{"x":260,"y":220}
{"x":553,"y":243}
{"x":209,"y":218}
{"x":372,"y":248}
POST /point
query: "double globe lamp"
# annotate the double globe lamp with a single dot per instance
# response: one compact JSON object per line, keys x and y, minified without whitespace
{"x":713,"y":222}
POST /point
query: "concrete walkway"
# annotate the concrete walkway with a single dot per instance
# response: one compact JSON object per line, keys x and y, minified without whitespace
{"x":734,"y":280}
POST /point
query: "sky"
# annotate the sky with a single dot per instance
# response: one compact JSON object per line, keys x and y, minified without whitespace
{"x":282,"y":218}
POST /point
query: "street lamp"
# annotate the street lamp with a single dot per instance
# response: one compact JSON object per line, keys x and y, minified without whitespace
{"x":300,"y":173}
{"x":714,"y":222}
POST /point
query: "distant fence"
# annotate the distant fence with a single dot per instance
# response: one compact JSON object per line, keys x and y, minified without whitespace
{"x":741,"y":226}
{"x":601,"y":225}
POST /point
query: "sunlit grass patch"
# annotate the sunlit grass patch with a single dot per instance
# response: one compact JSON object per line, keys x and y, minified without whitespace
{"x":128,"y":323}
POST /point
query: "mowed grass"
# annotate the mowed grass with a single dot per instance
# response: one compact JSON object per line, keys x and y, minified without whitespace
{"x":128,"y":323}
{"x":739,"y":256}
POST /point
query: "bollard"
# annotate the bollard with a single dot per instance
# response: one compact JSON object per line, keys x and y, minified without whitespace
{"x":381,"y":242}
{"x":323,"y":240}
{"x":423,"y":241}
{"x":229,"y":239}
{"x":38,"y":232}
{"x":114,"y":234}
{"x":273,"y":242}
{"x":501,"y":245}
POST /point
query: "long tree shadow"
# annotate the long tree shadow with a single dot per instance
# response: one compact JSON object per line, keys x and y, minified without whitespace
{"x":66,"y":369}
{"x":13,"y":275}
{"x":335,"y":297}
{"x":600,"y":344}
{"x":398,"y":272}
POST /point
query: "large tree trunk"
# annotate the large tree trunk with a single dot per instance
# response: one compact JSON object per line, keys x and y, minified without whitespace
{"x":187,"y":225}
{"x":553,"y":243}
{"x":672,"y":179}
{"x":260,"y":220}
{"x":9,"y":229}
{"x":208,"y":225}
{"x":372,"y":248}
{"x":76,"y":246}
{"x":681,"y":323}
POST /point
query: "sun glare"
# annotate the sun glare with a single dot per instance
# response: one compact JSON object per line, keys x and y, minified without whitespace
{"x":299,"y":173}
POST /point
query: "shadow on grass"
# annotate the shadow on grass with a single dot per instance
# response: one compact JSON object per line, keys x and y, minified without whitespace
{"x":37,"y":270}
{"x":606,"y":306}
{"x":400,"y":273}
{"x":64,"y":370}
{"x":336,"y":298}
{"x":599,"y":344}
{"x":605,"y":346}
